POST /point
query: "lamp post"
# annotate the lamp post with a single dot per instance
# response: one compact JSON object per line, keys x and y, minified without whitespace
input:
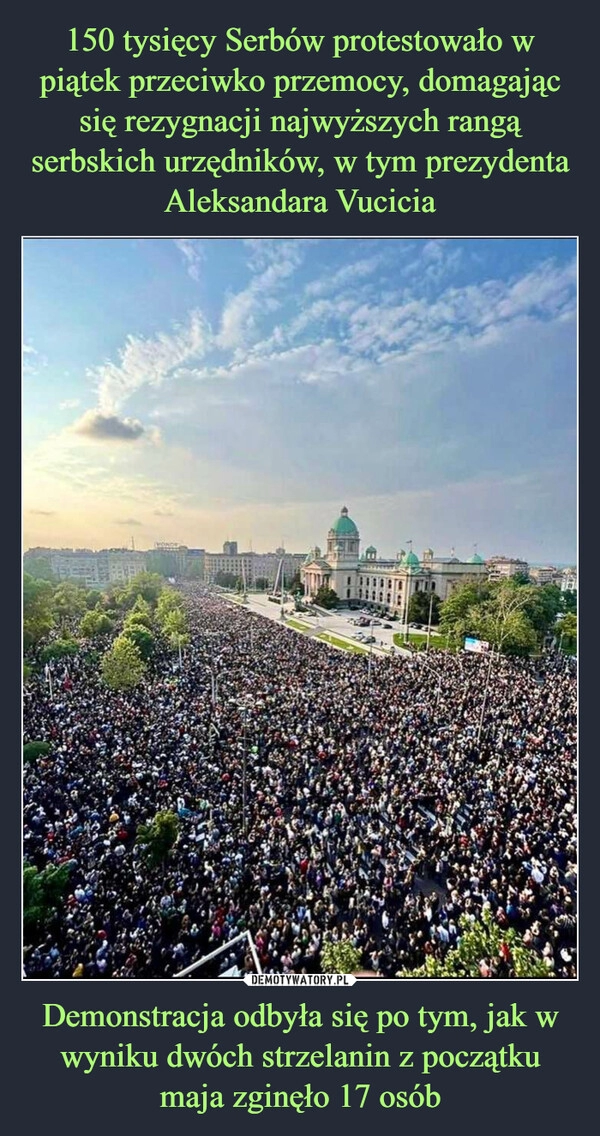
{"x":439,"y":678}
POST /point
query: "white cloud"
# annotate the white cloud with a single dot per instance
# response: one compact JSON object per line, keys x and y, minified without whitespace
{"x":149,"y":362}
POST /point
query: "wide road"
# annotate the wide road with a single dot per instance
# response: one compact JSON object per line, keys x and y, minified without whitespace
{"x":337,"y":623}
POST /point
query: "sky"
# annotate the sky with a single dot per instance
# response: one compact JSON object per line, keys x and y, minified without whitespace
{"x":203,"y":390}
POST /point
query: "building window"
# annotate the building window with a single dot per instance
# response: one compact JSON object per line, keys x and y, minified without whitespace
{"x":349,"y":580}
{"x":348,"y":593}
{"x":433,"y":585}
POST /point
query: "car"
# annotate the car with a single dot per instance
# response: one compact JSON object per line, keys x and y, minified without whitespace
{"x":387,"y":626}
{"x":369,"y":639}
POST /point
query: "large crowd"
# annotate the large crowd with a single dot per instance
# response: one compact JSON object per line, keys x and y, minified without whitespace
{"x":321,"y":797}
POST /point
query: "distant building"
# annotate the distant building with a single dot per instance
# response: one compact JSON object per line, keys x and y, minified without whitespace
{"x":545,"y":574}
{"x":503,"y":567}
{"x":568,"y":581}
{"x":384,"y":584}
{"x":252,"y":566}
{"x":94,"y":569}
{"x":230,"y":548}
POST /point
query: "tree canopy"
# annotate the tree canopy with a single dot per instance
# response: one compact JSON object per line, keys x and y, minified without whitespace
{"x":122,"y":665}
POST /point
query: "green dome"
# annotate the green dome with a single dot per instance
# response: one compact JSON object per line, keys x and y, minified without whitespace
{"x":344,"y":526}
{"x":411,"y":560}
{"x":476,"y":559}
{"x":370,"y":549}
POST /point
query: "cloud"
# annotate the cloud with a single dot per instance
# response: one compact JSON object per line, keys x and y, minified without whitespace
{"x":163,"y":513}
{"x":108,"y":427}
{"x":273,"y":261}
{"x":149,"y":362}
{"x":42,"y":512}
{"x":193,"y":253}
{"x":129,"y":521}
{"x":69,"y":404}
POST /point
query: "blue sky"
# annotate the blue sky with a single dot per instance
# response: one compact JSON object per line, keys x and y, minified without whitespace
{"x":201,"y":390}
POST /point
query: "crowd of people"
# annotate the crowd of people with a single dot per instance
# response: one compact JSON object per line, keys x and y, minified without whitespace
{"x":321,"y":797}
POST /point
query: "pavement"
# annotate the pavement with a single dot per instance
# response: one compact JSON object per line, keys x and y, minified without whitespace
{"x":338,"y":623}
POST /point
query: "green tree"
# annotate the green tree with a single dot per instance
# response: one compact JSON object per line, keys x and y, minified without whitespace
{"x":149,"y":585}
{"x":169,"y":601}
{"x":33,"y":750}
{"x":59,"y":649}
{"x":43,"y":893}
{"x":568,"y":631}
{"x":226,"y":579}
{"x":95,"y":623}
{"x":68,"y":601}
{"x":482,"y":941}
{"x":340,"y":958}
{"x":457,"y":612}
{"x":122,"y":666}
{"x":568,"y":601}
{"x":141,"y":611}
{"x":38,"y":618}
{"x":159,"y":836}
{"x":141,"y":637}
{"x":39,"y":568}
{"x":326,"y":597}
{"x":418,"y":608}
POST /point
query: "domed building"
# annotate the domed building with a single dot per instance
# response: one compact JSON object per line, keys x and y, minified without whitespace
{"x":383,"y":585}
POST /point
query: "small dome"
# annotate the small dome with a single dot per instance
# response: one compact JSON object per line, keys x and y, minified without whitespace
{"x":476,"y":559}
{"x":370,"y":549}
{"x":344,"y":526}
{"x":411,"y":560}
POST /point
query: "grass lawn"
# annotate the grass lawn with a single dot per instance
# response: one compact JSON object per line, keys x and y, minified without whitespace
{"x":437,"y":641}
{"x":298,"y":626}
{"x":335,"y":642}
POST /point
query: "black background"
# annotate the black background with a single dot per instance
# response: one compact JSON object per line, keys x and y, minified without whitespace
{"x":43,"y":1092}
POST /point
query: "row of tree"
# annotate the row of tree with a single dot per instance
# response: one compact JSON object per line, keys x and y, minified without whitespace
{"x":514,"y":616}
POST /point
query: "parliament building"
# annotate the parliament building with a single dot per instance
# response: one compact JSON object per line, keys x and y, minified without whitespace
{"x":386,"y":585}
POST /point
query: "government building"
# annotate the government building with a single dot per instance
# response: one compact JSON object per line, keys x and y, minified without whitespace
{"x":386,"y":585}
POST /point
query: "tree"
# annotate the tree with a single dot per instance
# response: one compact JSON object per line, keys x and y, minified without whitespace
{"x":39,"y":568}
{"x":68,"y":601}
{"x":168,"y":602}
{"x":95,"y":623}
{"x":568,"y":631}
{"x":261,"y":583}
{"x":418,"y":608}
{"x":457,"y":611}
{"x":226,"y":579}
{"x":122,"y":666}
{"x":483,"y":942}
{"x":141,"y":637}
{"x":43,"y":893}
{"x":568,"y":601}
{"x":38,"y":618}
{"x":326,"y":597}
{"x":500,"y":613}
{"x":141,"y":612}
{"x":174,"y":623}
{"x":59,"y":649}
{"x":340,"y":958}
{"x":159,"y":836}
{"x":33,"y":750}
{"x":295,"y":586}
{"x":149,"y":585}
